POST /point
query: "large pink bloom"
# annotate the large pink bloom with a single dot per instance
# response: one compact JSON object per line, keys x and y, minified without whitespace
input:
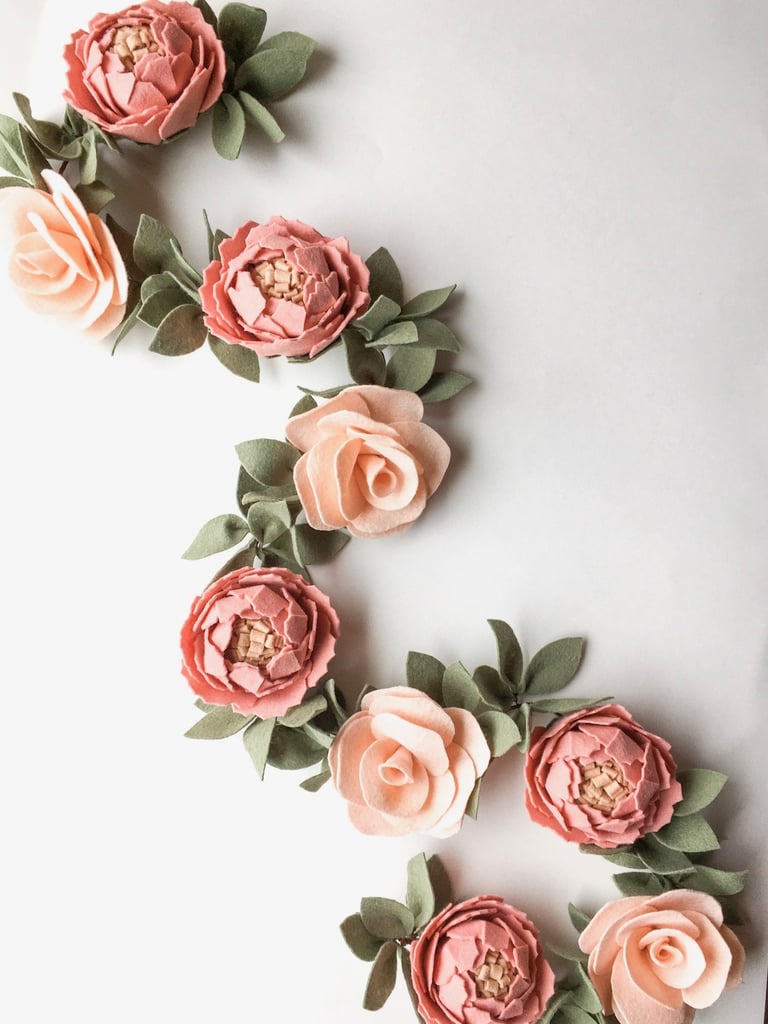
{"x":283,"y":289}
{"x":258,"y":639}
{"x":657,"y":959}
{"x":480,"y":961}
{"x":405,"y":764}
{"x":598,"y":777}
{"x":369,"y":464}
{"x":64,"y":262}
{"x":146,"y":72}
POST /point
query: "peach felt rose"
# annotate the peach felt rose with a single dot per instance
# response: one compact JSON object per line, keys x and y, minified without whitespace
{"x":283,"y":289}
{"x":64,"y":262}
{"x":405,"y":764}
{"x":598,"y":777}
{"x":369,"y":463}
{"x":258,"y":639}
{"x":658,"y":959}
{"x":480,"y":961}
{"x":146,"y":72}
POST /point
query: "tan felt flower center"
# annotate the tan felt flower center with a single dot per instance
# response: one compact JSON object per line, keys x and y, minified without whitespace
{"x":132,"y":42}
{"x":494,"y":977}
{"x":253,"y":641}
{"x":277,"y":279}
{"x":603,"y":785}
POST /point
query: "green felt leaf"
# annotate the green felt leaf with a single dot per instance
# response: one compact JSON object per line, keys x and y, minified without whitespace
{"x":309,"y":708}
{"x":315,"y":546}
{"x":257,"y":739}
{"x":304,"y":404}
{"x":129,"y":322}
{"x":586,"y":994}
{"x":382,"y":978}
{"x":336,"y":701}
{"x":14,"y":183}
{"x":691,"y":834}
{"x":405,"y":969}
{"x":566,"y":705}
{"x":553,"y":1008}
{"x":716,"y":882}
{"x":325,"y":392}
{"x":621,"y":857}
{"x":381,"y":312}
{"x":277,"y":67}
{"x":435,"y":334}
{"x":36,"y":162}
{"x":268,"y":461}
{"x":420,"y":895}
{"x":459,"y":688}
{"x":700,"y":787}
{"x":237,"y":358}
{"x":402,"y":332}
{"x":269,"y":518}
{"x":240,"y":30}
{"x":638,"y":883}
{"x":218,"y":724}
{"x":228,"y":127}
{"x":124,"y":242}
{"x":366,"y":365}
{"x":207,"y":13}
{"x":510,"y":655}
{"x":522,"y":718}
{"x":494,"y":690}
{"x":659,"y":858}
{"x":218,"y":534}
{"x":360,"y":941}
{"x":570,"y":953}
{"x":473,"y":804}
{"x":88,"y":164}
{"x":425,"y":673}
{"x":320,"y":736}
{"x":572,"y":1013}
{"x":250,"y":491}
{"x":160,"y":302}
{"x":244,"y":557}
{"x":441,"y":882}
{"x":292,"y":749}
{"x":257,"y":114}
{"x":500,"y":731}
{"x":94,"y":196}
{"x":443,"y":386}
{"x":409,"y":369}
{"x":316,"y":782}
{"x":385,"y":918}
{"x":11,"y":150}
{"x":385,"y":277}
{"x":153,"y":248}
{"x":428,"y":302}
{"x":579,"y":918}
{"x":554,"y":666}
{"x":215,"y":238}
{"x":181,"y":332}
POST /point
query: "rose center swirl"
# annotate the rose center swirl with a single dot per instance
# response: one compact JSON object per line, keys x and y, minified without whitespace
{"x":603,"y":785}
{"x":132,"y":42}
{"x":494,"y":977}
{"x":253,"y":641}
{"x":277,"y":279}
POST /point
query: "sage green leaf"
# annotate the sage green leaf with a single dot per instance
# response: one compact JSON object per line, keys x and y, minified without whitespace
{"x":410,"y":369}
{"x":153,"y":248}
{"x":659,"y":858}
{"x":218,"y":534}
{"x":207,"y":13}
{"x":385,"y":918}
{"x":11,"y":149}
{"x":49,"y":135}
{"x":257,"y":739}
{"x":215,"y":238}
{"x":88,"y":164}
{"x":435,"y":334}
{"x":638,"y":883}
{"x":335,"y":701}
{"x":320,"y":736}
{"x":304,"y":404}
{"x":124,"y":241}
{"x":500,"y":731}
{"x":586,"y":994}
{"x":459,"y":688}
{"x":579,"y":918}
{"x":14,"y":183}
{"x":250,"y":490}
{"x":268,"y":461}
{"x":129,"y":322}
{"x":185,"y":269}
{"x":522,"y":719}
{"x":566,"y":705}
{"x":316,"y":782}
{"x":419,"y":894}
{"x":257,"y":114}
{"x":243,"y":558}
{"x":700,"y":787}
{"x":315,"y":546}
{"x":494,"y":690}
{"x":36,"y":162}
{"x":309,"y":708}
{"x":381,"y":312}
{"x":360,"y":941}
{"x":156,"y":307}
{"x":425,"y":673}
{"x":366,"y":365}
{"x":441,"y":882}
{"x":218,"y":724}
{"x":428,"y":302}
{"x":277,"y":67}
{"x":553,"y":1007}
{"x":405,"y":969}
{"x":716,"y":882}
{"x":402,"y":332}
{"x":291,"y":749}
{"x":94,"y":196}
{"x":385,"y":277}
{"x":621,"y":857}
{"x":238,"y":359}
{"x":181,"y":332}
{"x":473,"y":804}
{"x":240,"y":30}
{"x":264,"y":514}
{"x":326,"y":392}
{"x":554,"y":666}
{"x":443,"y":386}
{"x":228,"y":127}
{"x":691,"y":834}
{"x":570,"y":953}
{"x":382,"y":978}
{"x":510,"y":656}
{"x":571,"y":1013}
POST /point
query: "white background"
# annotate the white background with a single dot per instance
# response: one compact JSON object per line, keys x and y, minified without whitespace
{"x":594,"y":177}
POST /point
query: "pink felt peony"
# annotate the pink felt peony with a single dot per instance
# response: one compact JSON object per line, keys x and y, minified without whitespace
{"x":283,"y":289}
{"x":480,"y":961}
{"x":598,"y":777}
{"x":369,"y":464}
{"x":658,"y":959}
{"x":405,"y":764}
{"x":64,"y":262}
{"x":146,"y":72}
{"x":258,"y":639}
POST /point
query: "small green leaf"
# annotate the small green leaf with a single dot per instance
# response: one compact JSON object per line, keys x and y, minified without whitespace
{"x":268,"y":461}
{"x":425,"y":673}
{"x":382,"y":978}
{"x":14,"y":183}
{"x":500,"y":731}
{"x":385,"y":918}
{"x":700,"y":787}
{"x":494,"y":690}
{"x":257,"y":738}
{"x":153,"y":247}
{"x":622,"y":857}
{"x":277,"y":67}
{"x":405,"y":969}
{"x":716,"y":882}
{"x":292,"y":749}
{"x":443,"y":386}
{"x":553,"y":1007}
{"x":409,"y":369}
{"x":435,"y":334}
{"x":228,"y":127}
{"x":428,"y":302}
{"x":522,"y":719}
{"x":473,"y":804}
{"x":366,"y":365}
{"x":315,"y":782}
{"x":218,"y":534}
{"x":691,"y":834}
{"x":385,"y":277}
{"x":579,"y":918}
{"x":554,"y":666}
{"x":218,"y":724}
{"x":207,"y":13}
{"x":567,"y":705}
{"x":160,"y":302}
{"x":240,"y":30}
{"x":336,"y":701}
{"x":305,"y":404}
{"x":659,"y":858}
{"x":459,"y":688}
{"x":638,"y":883}
{"x":315,"y":546}
{"x":510,"y":656}
{"x":585,"y":994}
{"x":309,"y":708}
{"x":181,"y":332}
{"x":94,"y":196}
{"x":237,"y":358}
{"x":360,"y":941}
{"x":257,"y":114}
{"x":381,"y":312}
{"x":240,"y":560}
{"x":402,"y":332}
{"x":441,"y":882}
{"x":88,"y":166}
{"x":572,"y":1013}
{"x":420,"y":895}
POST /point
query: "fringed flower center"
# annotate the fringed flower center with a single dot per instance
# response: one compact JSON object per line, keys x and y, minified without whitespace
{"x":132,"y":42}
{"x":603,"y":785}
{"x":253,"y":641}
{"x":494,"y":977}
{"x":277,"y":279}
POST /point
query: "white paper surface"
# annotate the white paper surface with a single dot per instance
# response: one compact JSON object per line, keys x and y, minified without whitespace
{"x":594,"y":177}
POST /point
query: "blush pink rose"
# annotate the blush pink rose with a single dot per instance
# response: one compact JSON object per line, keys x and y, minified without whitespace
{"x":658,"y":959}
{"x":369,"y":463}
{"x":405,"y":764}
{"x":480,"y":961}
{"x":146,"y":72}
{"x":64,"y":262}
{"x":598,"y":777}
{"x":283,"y":289}
{"x":258,"y":639}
